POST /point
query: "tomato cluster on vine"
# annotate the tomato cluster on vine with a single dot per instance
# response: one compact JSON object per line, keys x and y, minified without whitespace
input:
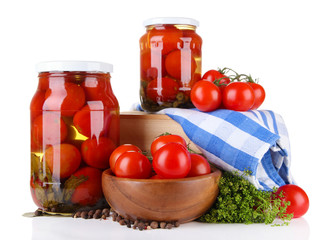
{"x":171,"y":159}
{"x":226,"y":89}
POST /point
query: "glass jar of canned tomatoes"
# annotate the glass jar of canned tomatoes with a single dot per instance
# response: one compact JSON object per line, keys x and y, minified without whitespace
{"x":74,"y":129}
{"x":170,"y":62}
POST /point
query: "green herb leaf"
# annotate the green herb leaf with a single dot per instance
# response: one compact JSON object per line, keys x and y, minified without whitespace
{"x":241,"y":202}
{"x":71,"y":184}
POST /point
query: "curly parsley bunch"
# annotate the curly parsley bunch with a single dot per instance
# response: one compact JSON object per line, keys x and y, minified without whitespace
{"x":241,"y":202}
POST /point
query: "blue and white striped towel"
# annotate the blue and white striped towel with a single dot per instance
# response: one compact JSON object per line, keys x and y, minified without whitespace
{"x":236,"y":141}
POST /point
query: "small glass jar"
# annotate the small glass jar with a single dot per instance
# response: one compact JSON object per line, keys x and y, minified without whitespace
{"x":170,"y":62}
{"x":74,"y":129}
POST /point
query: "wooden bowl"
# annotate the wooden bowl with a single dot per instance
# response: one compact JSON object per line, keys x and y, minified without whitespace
{"x":181,"y":200}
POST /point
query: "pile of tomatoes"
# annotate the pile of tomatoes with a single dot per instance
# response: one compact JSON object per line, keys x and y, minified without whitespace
{"x":226,"y":89}
{"x":171,"y":159}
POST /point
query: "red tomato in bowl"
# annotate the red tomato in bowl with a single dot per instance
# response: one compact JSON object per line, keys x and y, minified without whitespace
{"x":299,"y":201}
{"x":238,"y":96}
{"x":119,"y":151}
{"x":162,"y":140}
{"x":133,"y":165}
{"x":205,"y":96}
{"x":172,"y":161}
{"x":156,"y":177}
{"x":199,"y":166}
{"x":96,"y":152}
{"x":259,"y":94}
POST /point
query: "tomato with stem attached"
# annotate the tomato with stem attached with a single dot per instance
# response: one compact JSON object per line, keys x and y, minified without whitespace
{"x":205,"y":96}
{"x":133,"y":165}
{"x":213,"y":75}
{"x":119,"y":151}
{"x":164,"y":139}
{"x":238,"y":96}
{"x":172,"y":161}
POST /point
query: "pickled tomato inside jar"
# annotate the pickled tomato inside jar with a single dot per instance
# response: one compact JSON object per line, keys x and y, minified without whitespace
{"x":74,"y":129}
{"x":170,"y":63}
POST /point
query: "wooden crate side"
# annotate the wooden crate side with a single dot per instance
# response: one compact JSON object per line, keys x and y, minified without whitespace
{"x":142,"y":129}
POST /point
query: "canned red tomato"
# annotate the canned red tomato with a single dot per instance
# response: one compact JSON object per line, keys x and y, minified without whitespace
{"x":74,"y":129}
{"x":170,"y":62}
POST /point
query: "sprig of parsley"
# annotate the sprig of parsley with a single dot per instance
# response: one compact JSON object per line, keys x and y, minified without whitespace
{"x":239,"y":201}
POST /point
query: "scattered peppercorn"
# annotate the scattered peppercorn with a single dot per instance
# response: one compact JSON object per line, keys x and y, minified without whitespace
{"x":106,"y":212}
{"x":162,"y":225}
{"x":154,"y":224}
{"x":38,"y":212}
{"x":84,"y":215}
{"x":169,"y":225}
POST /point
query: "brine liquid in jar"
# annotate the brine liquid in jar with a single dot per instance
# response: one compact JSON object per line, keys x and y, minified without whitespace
{"x":74,"y":129}
{"x":170,"y":63}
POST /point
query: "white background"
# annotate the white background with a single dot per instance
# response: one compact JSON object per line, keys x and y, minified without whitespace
{"x":284,"y":43}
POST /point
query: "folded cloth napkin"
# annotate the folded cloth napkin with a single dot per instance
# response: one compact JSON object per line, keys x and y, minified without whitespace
{"x":255,"y":140}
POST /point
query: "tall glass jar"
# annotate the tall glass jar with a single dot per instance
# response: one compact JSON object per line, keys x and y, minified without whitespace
{"x":74,"y":129}
{"x":170,"y":62}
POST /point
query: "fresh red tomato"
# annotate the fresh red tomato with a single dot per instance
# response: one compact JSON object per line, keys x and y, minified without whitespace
{"x":162,"y":140}
{"x":205,"y":96}
{"x":133,"y":165}
{"x":119,"y":151}
{"x":172,"y":161}
{"x":48,"y":129}
{"x":65,"y":97}
{"x":180,"y":64}
{"x":238,"y":96}
{"x":88,"y":192}
{"x":259,"y":93}
{"x":299,"y":202}
{"x":213,"y":75}
{"x":162,"y":90}
{"x":96,"y":152}
{"x":62,"y":160}
{"x":199,"y":166}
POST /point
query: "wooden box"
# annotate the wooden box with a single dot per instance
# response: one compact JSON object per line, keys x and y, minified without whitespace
{"x":141,"y":129}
